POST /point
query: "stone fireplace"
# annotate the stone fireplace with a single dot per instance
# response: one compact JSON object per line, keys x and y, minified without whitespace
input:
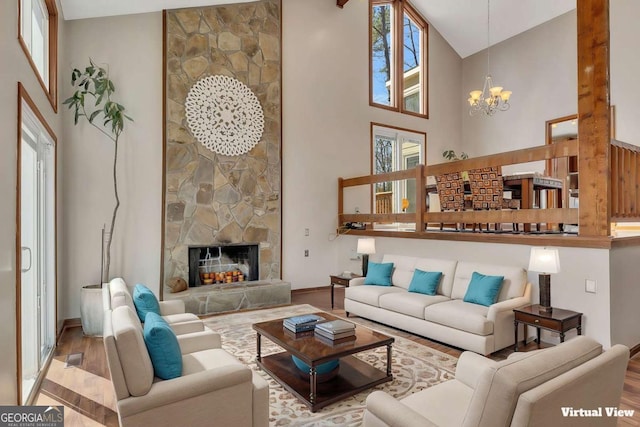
{"x":213,"y":200}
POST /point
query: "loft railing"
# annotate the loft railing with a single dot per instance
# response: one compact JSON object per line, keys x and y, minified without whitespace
{"x":421,"y":217}
{"x":625,"y":189}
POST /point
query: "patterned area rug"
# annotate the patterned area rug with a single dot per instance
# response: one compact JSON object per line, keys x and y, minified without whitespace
{"x":415,"y":367}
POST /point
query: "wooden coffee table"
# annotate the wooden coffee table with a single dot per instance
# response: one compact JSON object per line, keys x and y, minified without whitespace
{"x":353,"y":375}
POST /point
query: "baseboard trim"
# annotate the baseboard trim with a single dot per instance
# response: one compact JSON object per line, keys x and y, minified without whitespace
{"x":304,"y":290}
{"x":634,"y":350}
{"x":71,"y":323}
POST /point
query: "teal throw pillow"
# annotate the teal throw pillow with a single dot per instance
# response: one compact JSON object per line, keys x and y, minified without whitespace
{"x":379,"y":274}
{"x":162,"y":345}
{"x":425,"y":282}
{"x":145,"y":301}
{"x":483,"y":289}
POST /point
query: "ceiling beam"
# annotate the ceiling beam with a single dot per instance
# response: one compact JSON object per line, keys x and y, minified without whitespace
{"x":341,"y":3}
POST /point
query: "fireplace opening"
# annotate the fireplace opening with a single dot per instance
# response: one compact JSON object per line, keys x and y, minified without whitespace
{"x":232,"y":263}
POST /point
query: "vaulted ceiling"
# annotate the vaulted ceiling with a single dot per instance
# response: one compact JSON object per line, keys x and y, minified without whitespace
{"x":463,"y":23}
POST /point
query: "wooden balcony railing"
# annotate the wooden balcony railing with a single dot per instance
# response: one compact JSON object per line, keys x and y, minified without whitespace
{"x":384,"y":202}
{"x":421,"y":217}
{"x":625,"y":190}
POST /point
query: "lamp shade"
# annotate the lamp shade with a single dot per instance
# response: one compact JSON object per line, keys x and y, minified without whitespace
{"x":366,"y":246}
{"x":544,"y":260}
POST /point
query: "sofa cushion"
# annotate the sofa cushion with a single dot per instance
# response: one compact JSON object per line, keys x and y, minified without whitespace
{"x":425,"y":282}
{"x":163,"y":347}
{"x":379,"y":274}
{"x":447,"y":267}
{"x":403,"y":271}
{"x":461,"y":315}
{"x":120,"y":294}
{"x":515,"y":279}
{"x":409,"y":303}
{"x":483,"y":289}
{"x":404,"y":267}
{"x":442,"y":405}
{"x":145,"y":301}
{"x":368,"y":294}
{"x":132,"y":351}
{"x":500,"y":385}
{"x":192,"y":363}
{"x":180,"y":318}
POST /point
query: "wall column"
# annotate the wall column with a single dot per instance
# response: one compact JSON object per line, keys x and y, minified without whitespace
{"x":594,"y":121}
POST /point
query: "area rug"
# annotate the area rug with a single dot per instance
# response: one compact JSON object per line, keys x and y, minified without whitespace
{"x":415,"y":367}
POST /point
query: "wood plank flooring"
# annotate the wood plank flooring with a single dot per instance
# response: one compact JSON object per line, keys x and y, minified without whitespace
{"x":89,"y":400}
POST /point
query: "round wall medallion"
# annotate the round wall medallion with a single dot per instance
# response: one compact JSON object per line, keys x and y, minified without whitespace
{"x":224,"y":115}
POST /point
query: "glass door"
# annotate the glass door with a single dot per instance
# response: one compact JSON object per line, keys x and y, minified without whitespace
{"x":37,"y":249}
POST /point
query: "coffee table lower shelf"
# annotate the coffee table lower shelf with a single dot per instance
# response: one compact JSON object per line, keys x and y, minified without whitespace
{"x":353,"y":376}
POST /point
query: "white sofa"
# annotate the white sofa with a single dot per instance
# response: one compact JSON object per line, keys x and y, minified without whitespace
{"x":527,"y":389}
{"x":445,"y":316}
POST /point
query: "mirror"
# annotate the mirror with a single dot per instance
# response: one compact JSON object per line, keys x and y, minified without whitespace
{"x":395,"y":149}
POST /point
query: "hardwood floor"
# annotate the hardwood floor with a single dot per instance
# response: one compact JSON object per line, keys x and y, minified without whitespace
{"x":88,"y":397}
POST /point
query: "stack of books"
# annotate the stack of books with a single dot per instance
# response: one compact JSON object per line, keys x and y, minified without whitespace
{"x":335,"y":329}
{"x":303,"y":323}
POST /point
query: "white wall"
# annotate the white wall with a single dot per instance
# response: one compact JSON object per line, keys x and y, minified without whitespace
{"x":14,"y":67}
{"x":625,"y":68}
{"x":540,"y":67}
{"x":625,"y":295}
{"x":326,"y":124}
{"x":132,"y":47}
{"x":567,"y":287}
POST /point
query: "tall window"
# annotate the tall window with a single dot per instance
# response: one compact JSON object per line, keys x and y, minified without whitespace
{"x":39,"y":38}
{"x":36,"y":234}
{"x":395,"y":149}
{"x":398,"y":53}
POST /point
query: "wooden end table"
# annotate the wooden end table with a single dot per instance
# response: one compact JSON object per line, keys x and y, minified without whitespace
{"x":558,"y":320}
{"x":341,"y":280}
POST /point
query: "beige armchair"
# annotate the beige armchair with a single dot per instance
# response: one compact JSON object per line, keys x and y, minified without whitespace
{"x":214,"y":388}
{"x":527,"y":389}
{"x":117,"y":294}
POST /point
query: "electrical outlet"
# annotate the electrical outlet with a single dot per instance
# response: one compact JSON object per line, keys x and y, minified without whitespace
{"x":306,"y":232}
{"x":306,"y":252}
{"x":357,"y":210}
{"x":590,"y":286}
{"x":353,"y":256}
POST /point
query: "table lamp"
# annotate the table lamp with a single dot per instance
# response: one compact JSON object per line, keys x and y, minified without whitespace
{"x":366,"y":247}
{"x":545,"y":261}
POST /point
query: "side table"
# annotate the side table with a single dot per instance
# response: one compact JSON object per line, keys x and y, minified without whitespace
{"x":558,"y":320}
{"x":341,"y":280}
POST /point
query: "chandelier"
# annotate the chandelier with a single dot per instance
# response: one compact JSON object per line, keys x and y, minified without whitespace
{"x":491,"y":98}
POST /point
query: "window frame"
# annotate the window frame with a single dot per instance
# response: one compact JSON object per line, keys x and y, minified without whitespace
{"x":51,"y":86}
{"x":400,"y":8}
{"x":399,"y":135}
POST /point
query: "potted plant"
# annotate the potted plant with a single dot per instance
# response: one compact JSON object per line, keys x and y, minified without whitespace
{"x":92,"y":101}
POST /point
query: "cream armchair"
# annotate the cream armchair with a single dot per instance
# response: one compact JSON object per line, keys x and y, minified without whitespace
{"x":527,"y":389}
{"x":214,"y":388}
{"x":116,"y":293}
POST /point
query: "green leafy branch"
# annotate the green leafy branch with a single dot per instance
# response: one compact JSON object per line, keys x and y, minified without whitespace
{"x":94,"y":86}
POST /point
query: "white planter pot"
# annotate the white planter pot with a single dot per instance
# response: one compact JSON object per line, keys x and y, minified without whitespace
{"x":91,"y":310}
